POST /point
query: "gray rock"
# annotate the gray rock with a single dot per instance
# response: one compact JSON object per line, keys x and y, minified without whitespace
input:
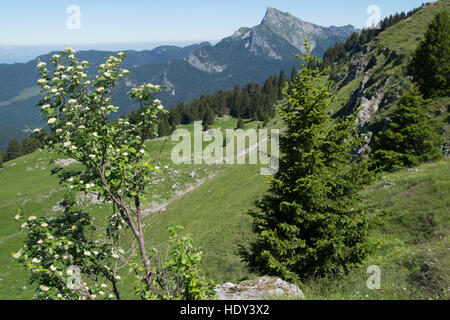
{"x":387,"y":184}
{"x":65,"y":162}
{"x":259,"y":288}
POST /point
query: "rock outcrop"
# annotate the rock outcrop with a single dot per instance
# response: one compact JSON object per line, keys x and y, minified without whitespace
{"x":259,"y":288}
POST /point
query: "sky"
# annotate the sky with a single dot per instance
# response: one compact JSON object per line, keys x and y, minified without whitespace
{"x":141,"y":23}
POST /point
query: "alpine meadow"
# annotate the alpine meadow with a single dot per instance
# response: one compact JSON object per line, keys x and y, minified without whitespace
{"x":287,"y":161}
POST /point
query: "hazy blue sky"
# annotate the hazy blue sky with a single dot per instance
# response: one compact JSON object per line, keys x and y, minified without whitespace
{"x":117,"y":21}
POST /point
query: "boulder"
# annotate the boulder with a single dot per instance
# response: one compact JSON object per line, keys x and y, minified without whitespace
{"x":259,"y":288}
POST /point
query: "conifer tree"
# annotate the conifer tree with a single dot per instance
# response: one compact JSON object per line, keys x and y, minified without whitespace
{"x":163,"y":128}
{"x":431,"y":62}
{"x":281,"y":83}
{"x":410,"y":138}
{"x":14,"y":150}
{"x":2,"y":158}
{"x":240,"y":124}
{"x":28,"y":146}
{"x":311,"y":223}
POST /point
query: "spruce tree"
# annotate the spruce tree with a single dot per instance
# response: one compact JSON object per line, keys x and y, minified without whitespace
{"x":28,"y":146}
{"x":430,"y":66}
{"x":2,"y":158}
{"x":311,"y":222}
{"x":14,"y":150}
{"x":281,"y":83}
{"x":240,"y":124}
{"x":410,"y":138}
{"x":163,"y":128}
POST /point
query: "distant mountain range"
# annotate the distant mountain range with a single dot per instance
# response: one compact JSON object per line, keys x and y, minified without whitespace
{"x":249,"y":55}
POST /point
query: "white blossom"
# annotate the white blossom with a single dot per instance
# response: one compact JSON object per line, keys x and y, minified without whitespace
{"x":31,"y":218}
{"x":16,"y":255}
{"x":51,"y":120}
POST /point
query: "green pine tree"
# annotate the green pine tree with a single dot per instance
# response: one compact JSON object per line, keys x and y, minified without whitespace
{"x":163,"y":128}
{"x":14,"y":150}
{"x":28,"y":146}
{"x":240,"y":124}
{"x":410,"y":138}
{"x":431,"y":62}
{"x":2,"y":158}
{"x":311,"y":223}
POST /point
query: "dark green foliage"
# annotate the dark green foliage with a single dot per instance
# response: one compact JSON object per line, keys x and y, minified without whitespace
{"x":28,"y":146}
{"x":410,"y":138}
{"x":14,"y":150}
{"x":163,"y":128}
{"x":2,"y":158}
{"x":252,"y":101}
{"x":208,"y":119}
{"x":431,"y":62}
{"x":311,"y":223}
{"x":281,"y":84}
{"x":240,"y":124}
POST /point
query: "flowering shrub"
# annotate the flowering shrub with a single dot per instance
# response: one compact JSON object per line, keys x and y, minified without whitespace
{"x":58,"y":253}
{"x":77,"y":108}
{"x":175,"y":276}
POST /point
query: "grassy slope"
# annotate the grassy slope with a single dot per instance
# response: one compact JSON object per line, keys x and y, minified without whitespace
{"x":403,"y":38}
{"x":27,"y":183}
{"x":413,"y":256}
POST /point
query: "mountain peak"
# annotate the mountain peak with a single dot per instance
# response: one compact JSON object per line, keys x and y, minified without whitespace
{"x":274,"y":15}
